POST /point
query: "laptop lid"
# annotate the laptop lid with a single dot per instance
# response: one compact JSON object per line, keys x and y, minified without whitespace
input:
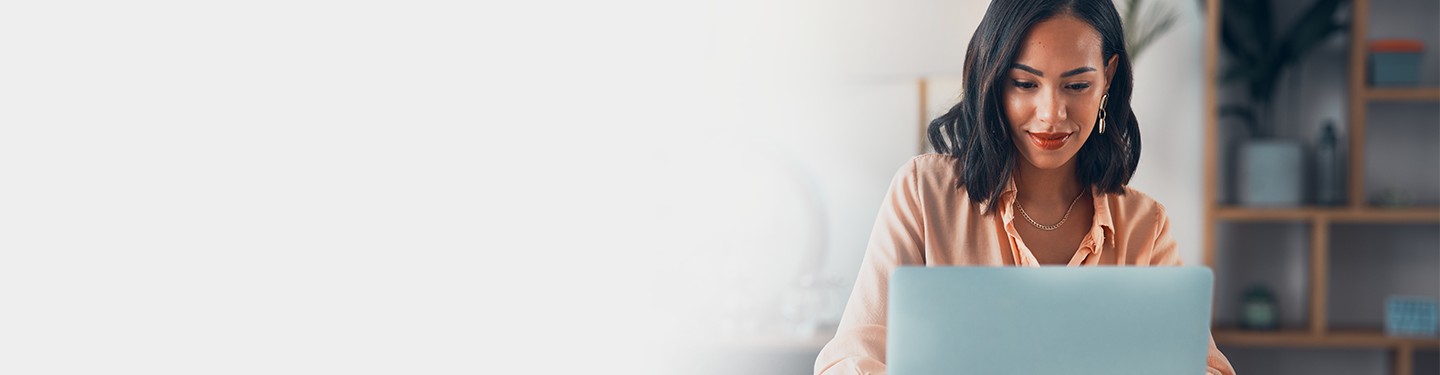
{"x":1049,"y":320}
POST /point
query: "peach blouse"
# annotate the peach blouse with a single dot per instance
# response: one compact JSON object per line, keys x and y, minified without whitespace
{"x":926,"y":220}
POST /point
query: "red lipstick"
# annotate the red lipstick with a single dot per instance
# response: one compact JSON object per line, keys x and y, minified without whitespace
{"x":1049,"y":141}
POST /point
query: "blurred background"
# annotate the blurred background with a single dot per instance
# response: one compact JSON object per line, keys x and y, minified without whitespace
{"x":648,"y":186}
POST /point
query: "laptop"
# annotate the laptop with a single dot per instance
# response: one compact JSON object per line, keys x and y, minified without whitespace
{"x":1049,"y":320}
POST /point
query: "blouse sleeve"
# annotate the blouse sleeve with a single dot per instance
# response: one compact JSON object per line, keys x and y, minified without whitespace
{"x":1166,"y":253}
{"x":859,"y":343}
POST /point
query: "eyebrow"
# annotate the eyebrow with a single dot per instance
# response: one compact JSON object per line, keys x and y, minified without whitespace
{"x":1037,"y":72}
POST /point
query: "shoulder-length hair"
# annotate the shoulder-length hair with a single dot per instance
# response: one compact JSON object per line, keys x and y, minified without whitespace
{"x":976,"y":131}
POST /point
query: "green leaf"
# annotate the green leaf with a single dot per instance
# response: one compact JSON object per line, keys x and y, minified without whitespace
{"x":1234,"y":45}
{"x":1245,"y":28}
{"x":1132,"y":9}
{"x":1250,"y":18}
{"x":1244,"y":113}
{"x":1156,"y":21}
{"x":1311,"y":29}
{"x":1237,"y":73}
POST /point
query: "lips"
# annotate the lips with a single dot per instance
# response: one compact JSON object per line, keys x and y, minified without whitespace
{"x":1049,"y":141}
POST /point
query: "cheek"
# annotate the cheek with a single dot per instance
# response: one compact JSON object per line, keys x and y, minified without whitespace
{"x":1017,"y":110}
{"x":1085,"y":111}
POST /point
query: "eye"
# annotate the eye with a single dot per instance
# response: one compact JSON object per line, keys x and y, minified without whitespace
{"x":1022,"y":84}
{"x":1078,"y":86}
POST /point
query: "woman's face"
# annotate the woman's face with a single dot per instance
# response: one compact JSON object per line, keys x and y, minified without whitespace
{"x":1052,"y":94}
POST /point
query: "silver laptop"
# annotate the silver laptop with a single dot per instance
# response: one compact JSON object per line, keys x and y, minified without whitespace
{"x":1049,"y":320}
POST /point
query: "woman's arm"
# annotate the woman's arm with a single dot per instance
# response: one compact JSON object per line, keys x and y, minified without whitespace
{"x":859,"y":343}
{"x":1166,"y":253}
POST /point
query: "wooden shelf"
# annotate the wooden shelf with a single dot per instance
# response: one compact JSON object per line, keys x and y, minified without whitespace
{"x":1336,"y":214}
{"x":1355,"y":338}
{"x":1403,"y":93}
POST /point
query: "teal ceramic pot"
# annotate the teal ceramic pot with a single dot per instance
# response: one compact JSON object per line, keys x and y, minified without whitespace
{"x":1271,"y":173}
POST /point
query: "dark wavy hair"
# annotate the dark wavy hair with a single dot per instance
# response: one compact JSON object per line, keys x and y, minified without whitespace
{"x":976,"y":132}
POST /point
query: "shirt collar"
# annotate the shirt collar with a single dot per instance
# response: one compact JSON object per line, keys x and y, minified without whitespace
{"x":1104,"y":223}
{"x":1006,"y":207}
{"x":1101,"y":229}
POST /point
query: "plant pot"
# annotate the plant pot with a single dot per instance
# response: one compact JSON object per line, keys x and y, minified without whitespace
{"x":1271,"y":173}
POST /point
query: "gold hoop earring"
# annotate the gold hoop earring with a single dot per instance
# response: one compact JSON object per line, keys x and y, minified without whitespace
{"x":1103,"y":100}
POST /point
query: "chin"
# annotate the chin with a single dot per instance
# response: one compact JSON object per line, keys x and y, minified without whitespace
{"x":1054,"y":160}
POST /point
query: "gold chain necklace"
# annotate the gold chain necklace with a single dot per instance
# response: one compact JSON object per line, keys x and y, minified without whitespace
{"x":1048,"y":228}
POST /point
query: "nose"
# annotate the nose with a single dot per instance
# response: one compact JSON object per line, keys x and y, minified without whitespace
{"x":1051,"y":108}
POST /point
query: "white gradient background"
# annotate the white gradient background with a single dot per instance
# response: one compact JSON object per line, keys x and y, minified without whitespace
{"x":301,"y":187}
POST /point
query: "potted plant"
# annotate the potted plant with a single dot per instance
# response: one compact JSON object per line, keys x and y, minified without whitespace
{"x":1269,"y":168}
{"x":1144,"y":27}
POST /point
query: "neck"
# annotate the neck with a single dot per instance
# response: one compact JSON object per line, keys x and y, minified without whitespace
{"x":1046,"y":186}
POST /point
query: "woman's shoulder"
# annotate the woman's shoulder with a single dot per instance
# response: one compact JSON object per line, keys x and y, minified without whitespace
{"x":929,"y":170}
{"x":931,"y":178}
{"x":930,"y":165}
{"x":1135,"y":205}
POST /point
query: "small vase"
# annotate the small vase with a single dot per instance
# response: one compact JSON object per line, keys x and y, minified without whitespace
{"x":1258,"y":309}
{"x":1327,"y":167}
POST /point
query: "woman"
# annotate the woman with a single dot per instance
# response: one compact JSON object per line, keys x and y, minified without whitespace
{"x":1030,"y":169}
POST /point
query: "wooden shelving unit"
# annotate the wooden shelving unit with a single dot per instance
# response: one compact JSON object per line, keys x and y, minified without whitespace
{"x":1319,"y":219}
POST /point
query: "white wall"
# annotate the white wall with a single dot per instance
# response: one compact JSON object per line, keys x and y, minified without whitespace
{"x":1169,"y":101}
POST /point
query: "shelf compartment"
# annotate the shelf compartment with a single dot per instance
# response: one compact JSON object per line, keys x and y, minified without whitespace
{"x":1349,"y":215}
{"x":1403,"y":93}
{"x":1333,"y":338}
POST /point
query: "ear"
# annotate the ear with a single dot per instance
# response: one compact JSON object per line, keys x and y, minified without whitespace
{"x":1110,"y":70}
